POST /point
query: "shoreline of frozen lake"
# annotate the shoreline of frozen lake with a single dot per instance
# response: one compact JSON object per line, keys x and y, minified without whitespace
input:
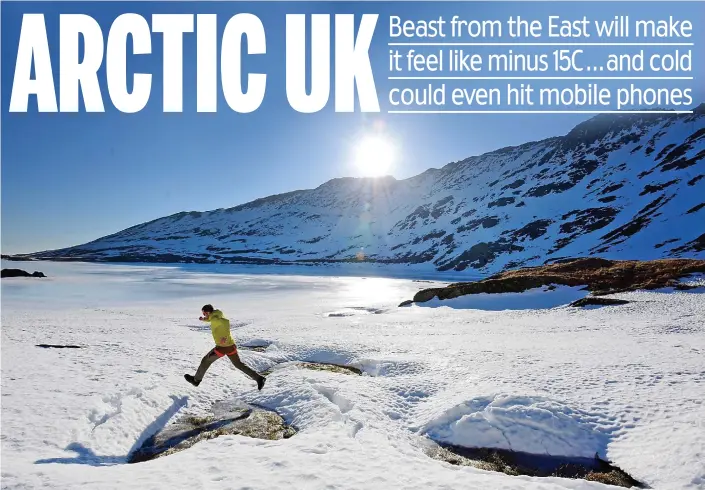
{"x":348,"y":269}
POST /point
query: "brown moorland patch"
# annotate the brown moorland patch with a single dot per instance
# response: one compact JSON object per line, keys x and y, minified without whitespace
{"x":599,"y":276}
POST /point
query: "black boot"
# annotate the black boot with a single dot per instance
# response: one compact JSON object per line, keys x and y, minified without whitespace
{"x":191,"y":380}
{"x":260,"y":382}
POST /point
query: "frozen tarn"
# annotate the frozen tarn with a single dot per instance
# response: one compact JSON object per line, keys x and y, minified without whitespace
{"x":632,"y":376}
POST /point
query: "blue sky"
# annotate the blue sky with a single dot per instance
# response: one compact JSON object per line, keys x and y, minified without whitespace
{"x":71,"y":178}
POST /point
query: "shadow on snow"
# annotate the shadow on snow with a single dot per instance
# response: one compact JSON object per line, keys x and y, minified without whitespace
{"x":86,"y":455}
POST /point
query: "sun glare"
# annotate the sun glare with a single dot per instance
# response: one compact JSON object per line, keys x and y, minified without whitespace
{"x":374,"y":156}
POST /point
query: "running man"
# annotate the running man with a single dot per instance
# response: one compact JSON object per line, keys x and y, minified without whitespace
{"x":224,"y":346}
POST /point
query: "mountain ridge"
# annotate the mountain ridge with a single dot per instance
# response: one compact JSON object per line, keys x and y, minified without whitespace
{"x":618,"y":186}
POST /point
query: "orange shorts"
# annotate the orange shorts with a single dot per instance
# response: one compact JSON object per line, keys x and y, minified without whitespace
{"x":225,"y":351}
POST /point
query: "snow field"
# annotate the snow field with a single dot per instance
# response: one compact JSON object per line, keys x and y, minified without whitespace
{"x":627,"y":382}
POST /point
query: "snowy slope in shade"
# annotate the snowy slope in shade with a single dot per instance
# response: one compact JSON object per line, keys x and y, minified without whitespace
{"x":617,"y":186}
{"x":627,"y":382}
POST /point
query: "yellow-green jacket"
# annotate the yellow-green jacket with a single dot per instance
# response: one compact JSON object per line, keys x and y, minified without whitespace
{"x":220,"y":328}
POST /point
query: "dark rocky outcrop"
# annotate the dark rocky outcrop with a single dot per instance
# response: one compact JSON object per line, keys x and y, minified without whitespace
{"x":480,"y":255}
{"x":58,"y":346}
{"x":697,"y":245}
{"x":638,"y":222}
{"x":532,"y":230}
{"x":598,"y":301}
{"x":20,"y":273}
{"x":697,"y":208}
{"x":538,"y":465}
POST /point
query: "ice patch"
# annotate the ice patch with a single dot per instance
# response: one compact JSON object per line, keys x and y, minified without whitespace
{"x":694,"y":280}
{"x":533,"y":425}
{"x":533,"y":299}
{"x":353,"y":311}
{"x":257,"y":345}
{"x":388,"y":368}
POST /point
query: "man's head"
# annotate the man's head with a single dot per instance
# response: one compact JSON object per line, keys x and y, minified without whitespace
{"x":207,"y":310}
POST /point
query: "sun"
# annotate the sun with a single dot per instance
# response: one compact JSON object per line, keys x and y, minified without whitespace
{"x":374,"y":155}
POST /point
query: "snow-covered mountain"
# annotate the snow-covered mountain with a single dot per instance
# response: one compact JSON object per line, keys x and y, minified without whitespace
{"x":617,"y":186}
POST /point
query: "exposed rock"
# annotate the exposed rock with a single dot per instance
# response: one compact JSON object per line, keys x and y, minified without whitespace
{"x":480,"y":255}
{"x":544,"y":190}
{"x":255,"y":348}
{"x":236,"y":418}
{"x":537,"y":465}
{"x":472,"y":225}
{"x":587,"y":220}
{"x":333,"y":368}
{"x":697,"y":245}
{"x":583,"y":221}
{"x":676,"y":159}
{"x":57,"y":346}
{"x":514,"y":185}
{"x":20,"y":273}
{"x":666,"y":242}
{"x":638,"y":222}
{"x":665,"y":151}
{"x":598,"y":301}
{"x":612,"y":188}
{"x":323,"y":366}
{"x":408,"y":302}
{"x":650,"y":189}
{"x":433,"y":234}
{"x":532,"y":230}
{"x":697,"y":208}
{"x":501,"y":202}
{"x":696,"y":179}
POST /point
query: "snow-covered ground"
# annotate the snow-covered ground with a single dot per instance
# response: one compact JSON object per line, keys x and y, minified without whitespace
{"x":627,"y":382}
